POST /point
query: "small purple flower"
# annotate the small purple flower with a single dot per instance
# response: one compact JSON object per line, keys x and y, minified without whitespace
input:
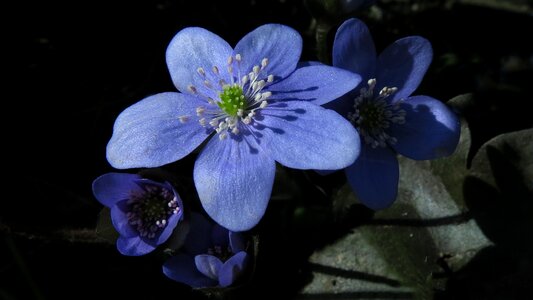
{"x":211,"y":256}
{"x":253,"y":104}
{"x":144,"y":212}
{"x":388,"y":119}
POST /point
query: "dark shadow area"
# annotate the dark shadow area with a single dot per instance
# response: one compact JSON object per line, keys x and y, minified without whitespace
{"x":352,"y":274}
{"x":500,"y":195}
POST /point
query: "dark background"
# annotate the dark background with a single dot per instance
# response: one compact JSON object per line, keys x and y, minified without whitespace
{"x":79,"y":64}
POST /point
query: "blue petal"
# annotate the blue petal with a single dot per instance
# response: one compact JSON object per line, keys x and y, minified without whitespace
{"x":353,"y":49}
{"x":232,"y":269}
{"x":234,"y":180}
{"x":303,"y":135}
{"x":182,"y":268}
{"x":133,"y":246}
{"x":403,"y":65}
{"x":150,"y":134}
{"x":236,"y":242}
{"x":120,"y":220}
{"x":194,"y":48}
{"x":318,"y":84}
{"x":110,"y":188}
{"x":199,"y":237}
{"x":172,"y":222}
{"x":374,"y":177}
{"x":431,"y":129}
{"x":280,"y":44}
{"x":208,"y":265}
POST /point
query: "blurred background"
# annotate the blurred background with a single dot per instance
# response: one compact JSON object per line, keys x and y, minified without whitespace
{"x":79,"y":64}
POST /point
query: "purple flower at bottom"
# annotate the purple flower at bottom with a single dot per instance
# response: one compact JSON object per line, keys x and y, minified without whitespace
{"x":211,"y":256}
{"x":387,"y":118}
{"x":143,"y":211}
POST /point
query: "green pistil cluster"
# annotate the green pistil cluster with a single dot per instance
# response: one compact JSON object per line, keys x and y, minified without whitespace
{"x":232,"y":99}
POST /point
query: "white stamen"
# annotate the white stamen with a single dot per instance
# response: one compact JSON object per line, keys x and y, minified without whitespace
{"x":213,"y":122}
{"x":183,"y":119}
{"x":238,"y":57}
{"x":200,"y":110}
{"x":222,"y":136}
{"x":267,"y":95}
{"x":235,"y":130}
{"x":192,"y":89}
{"x":201,"y":71}
{"x":215,"y":70}
{"x":264,"y":63}
{"x":263,"y":104}
{"x":270,"y":78}
{"x":256,"y":69}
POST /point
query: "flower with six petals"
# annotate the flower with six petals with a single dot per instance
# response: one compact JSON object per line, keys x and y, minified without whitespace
{"x":254,"y":104}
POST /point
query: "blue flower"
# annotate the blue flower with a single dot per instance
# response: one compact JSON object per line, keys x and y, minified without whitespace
{"x":144,"y":212}
{"x":253,"y":104}
{"x":211,"y":256}
{"x":388,"y":119}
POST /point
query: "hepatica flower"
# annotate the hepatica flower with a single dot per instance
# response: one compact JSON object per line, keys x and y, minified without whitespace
{"x":143,"y":211}
{"x":211,"y":256}
{"x":388,"y":119}
{"x":254,"y":104}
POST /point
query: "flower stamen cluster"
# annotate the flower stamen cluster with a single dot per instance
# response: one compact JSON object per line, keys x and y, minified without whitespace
{"x":373,"y":114}
{"x":238,"y":101}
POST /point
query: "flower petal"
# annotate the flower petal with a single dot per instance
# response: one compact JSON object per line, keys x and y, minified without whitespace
{"x":150,"y":133}
{"x":133,"y":246}
{"x":110,"y":188}
{"x":172,"y":222}
{"x":208,"y":265}
{"x":280,"y":44}
{"x":234,"y":180}
{"x":403,"y":65}
{"x":120,"y":220}
{"x":431,"y":129}
{"x":319,"y":84}
{"x":232,"y":269}
{"x":198,"y":239}
{"x":374,"y":177}
{"x":303,"y":135}
{"x":194,"y":48}
{"x":182,"y":268}
{"x":354,"y":50}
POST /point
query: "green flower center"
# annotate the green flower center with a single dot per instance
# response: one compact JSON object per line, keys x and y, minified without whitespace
{"x":232,"y":99}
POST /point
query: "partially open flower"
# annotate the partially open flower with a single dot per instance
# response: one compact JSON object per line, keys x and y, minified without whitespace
{"x":211,"y":256}
{"x":143,"y":211}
